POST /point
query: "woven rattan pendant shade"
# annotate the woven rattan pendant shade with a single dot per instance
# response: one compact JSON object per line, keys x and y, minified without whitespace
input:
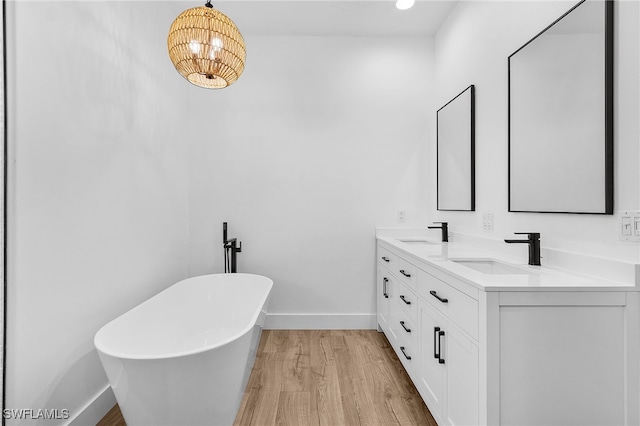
{"x":206,"y":47}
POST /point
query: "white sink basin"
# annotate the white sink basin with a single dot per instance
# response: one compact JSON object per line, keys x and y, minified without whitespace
{"x":490,"y":266}
{"x":416,"y":242}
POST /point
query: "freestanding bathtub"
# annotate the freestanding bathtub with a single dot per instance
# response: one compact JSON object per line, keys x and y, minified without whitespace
{"x":184,"y":356}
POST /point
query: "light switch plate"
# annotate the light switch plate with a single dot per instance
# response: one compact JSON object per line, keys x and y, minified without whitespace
{"x":487,"y":221}
{"x":629,"y":226}
{"x":402,"y":216}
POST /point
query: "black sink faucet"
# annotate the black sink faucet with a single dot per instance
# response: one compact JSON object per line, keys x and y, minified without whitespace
{"x":445,"y":230}
{"x":534,"y":246}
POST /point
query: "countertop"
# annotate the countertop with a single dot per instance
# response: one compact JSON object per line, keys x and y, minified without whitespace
{"x":533,"y":278}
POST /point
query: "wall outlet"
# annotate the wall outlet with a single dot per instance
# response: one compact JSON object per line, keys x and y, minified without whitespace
{"x":629,"y":226}
{"x":402,"y":216}
{"x":487,"y":221}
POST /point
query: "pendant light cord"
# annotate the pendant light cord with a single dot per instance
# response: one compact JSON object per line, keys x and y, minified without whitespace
{"x":208,"y":4}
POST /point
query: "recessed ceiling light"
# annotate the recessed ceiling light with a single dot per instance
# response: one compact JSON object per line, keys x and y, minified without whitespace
{"x":404,"y":4}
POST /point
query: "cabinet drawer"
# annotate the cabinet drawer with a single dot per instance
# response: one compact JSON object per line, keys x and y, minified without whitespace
{"x":407,"y":354}
{"x":460,"y":308}
{"x":408,"y":300}
{"x":387,"y":259}
{"x":406,"y":327}
{"x":407,"y":273}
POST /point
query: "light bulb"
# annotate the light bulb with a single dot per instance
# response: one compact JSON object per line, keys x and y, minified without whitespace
{"x":404,"y":4}
{"x":216,"y":46}
{"x":194,"y":46}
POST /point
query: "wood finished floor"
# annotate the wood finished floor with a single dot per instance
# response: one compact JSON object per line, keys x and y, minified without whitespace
{"x":325,"y":378}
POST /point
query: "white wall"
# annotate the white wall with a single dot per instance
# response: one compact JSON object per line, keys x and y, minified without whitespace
{"x":98,"y":188}
{"x":319,"y":142}
{"x":472,"y":48}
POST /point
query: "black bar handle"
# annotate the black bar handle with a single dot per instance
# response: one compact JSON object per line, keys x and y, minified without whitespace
{"x":442,"y":299}
{"x":224,"y":232}
{"x":436,"y":355}
{"x":385,"y":280}
{"x":404,"y":273}
{"x":405,"y":300}
{"x":440,"y":359}
{"x":408,"y":330}
{"x":404,"y":353}
{"x":386,"y":259}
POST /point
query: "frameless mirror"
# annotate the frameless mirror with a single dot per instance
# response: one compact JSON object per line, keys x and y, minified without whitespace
{"x":561,"y":115}
{"x":456,"y":153}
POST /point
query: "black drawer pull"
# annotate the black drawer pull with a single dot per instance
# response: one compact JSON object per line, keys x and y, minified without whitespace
{"x":408,"y":330}
{"x":404,"y":273}
{"x":442,"y":299}
{"x":384,"y":287}
{"x":435,"y":342}
{"x":405,"y":300}
{"x":440,"y":359}
{"x":386,"y":259}
{"x":404,"y":353}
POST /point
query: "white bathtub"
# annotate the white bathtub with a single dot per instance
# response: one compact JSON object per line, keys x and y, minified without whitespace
{"x":184,"y":356}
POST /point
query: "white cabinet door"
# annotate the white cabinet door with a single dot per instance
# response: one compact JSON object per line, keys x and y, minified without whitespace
{"x":383,"y":296}
{"x":432,"y":373}
{"x":563,"y":365}
{"x":461,"y":361}
{"x":387,"y":289}
{"x":449,"y":371}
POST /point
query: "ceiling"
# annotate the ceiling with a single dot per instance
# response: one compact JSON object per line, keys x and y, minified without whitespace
{"x":330,"y":17}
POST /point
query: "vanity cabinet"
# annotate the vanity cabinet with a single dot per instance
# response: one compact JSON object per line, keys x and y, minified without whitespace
{"x":433,"y":329}
{"x":508,"y":355}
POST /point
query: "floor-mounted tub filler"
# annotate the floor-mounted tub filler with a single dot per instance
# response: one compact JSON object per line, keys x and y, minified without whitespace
{"x":184,"y":356}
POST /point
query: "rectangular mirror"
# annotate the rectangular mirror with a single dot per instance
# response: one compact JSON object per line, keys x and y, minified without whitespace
{"x":561,"y":115}
{"x":456,"y":153}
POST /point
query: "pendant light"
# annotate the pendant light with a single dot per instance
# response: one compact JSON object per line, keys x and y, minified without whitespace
{"x":206,"y":47}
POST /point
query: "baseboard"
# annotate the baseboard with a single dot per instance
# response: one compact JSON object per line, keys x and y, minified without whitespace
{"x":96,"y":409}
{"x":320,"y":322}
